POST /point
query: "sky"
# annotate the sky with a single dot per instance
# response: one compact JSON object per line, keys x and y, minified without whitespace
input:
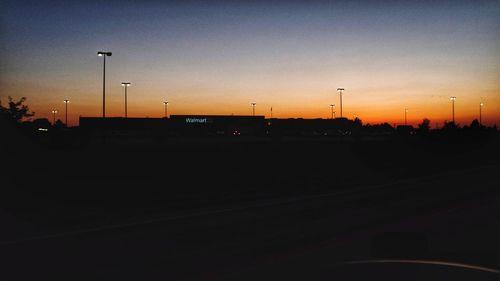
{"x":217,"y":57}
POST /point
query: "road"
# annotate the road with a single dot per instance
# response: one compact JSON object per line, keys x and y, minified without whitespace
{"x":454,"y":215}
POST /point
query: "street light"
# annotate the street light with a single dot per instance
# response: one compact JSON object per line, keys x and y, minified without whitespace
{"x":54,"y":117}
{"x":253,"y":108}
{"x":453,"y":108}
{"x":104,"y":55}
{"x":333,"y":112}
{"x":480,"y":114}
{"x":166,"y":108}
{"x":126,"y":85}
{"x":406,"y":113}
{"x":66,"y":113}
{"x":340,"y":90}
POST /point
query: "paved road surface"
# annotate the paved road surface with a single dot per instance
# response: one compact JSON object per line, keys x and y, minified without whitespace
{"x":455,"y":215}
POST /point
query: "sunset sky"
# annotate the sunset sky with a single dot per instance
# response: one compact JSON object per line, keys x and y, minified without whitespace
{"x":216,"y":57}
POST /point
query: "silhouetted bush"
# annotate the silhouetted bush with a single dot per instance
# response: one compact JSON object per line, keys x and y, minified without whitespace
{"x":424,"y":127}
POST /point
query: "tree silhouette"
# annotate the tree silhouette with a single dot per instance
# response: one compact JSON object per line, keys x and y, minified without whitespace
{"x":450,"y":126}
{"x":424,"y":127}
{"x":59,"y":124}
{"x":357,"y":122}
{"x":15,"y":110}
{"x":475,"y":124}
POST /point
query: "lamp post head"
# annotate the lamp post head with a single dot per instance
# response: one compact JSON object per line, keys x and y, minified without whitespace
{"x":253,"y":103}
{"x":481,"y":104}
{"x":126,"y":84}
{"x":332,"y":105}
{"x":54,"y":111}
{"x":453,"y":98}
{"x":108,"y":54}
{"x":340,"y":90}
{"x":165,"y":102}
{"x":66,"y":101}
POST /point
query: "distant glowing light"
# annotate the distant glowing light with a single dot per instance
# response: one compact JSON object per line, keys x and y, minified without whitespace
{"x":108,"y":54}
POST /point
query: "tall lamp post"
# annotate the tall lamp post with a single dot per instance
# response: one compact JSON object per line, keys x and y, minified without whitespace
{"x":481,"y":114}
{"x":54,"y":117}
{"x":104,"y":55}
{"x":126,"y":85}
{"x":340,"y":90}
{"x":333,"y":112}
{"x":66,"y":101}
{"x":165,"y":103}
{"x":253,"y":108}
{"x":453,"y":108}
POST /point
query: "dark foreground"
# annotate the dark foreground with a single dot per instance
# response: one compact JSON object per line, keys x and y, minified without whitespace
{"x":247,"y":210}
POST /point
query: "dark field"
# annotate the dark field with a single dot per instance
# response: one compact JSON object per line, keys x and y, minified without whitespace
{"x":240,"y":207}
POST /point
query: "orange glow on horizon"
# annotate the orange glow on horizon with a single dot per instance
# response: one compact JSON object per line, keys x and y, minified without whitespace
{"x":392,"y":114}
{"x":373,"y":97}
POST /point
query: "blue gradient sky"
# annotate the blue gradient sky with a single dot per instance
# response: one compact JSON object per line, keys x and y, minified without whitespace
{"x":216,"y":57}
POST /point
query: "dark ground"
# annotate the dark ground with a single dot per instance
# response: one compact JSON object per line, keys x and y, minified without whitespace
{"x":245,"y":208}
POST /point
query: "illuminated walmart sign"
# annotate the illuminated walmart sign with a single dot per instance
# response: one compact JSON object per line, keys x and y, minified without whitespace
{"x":198,"y":120}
